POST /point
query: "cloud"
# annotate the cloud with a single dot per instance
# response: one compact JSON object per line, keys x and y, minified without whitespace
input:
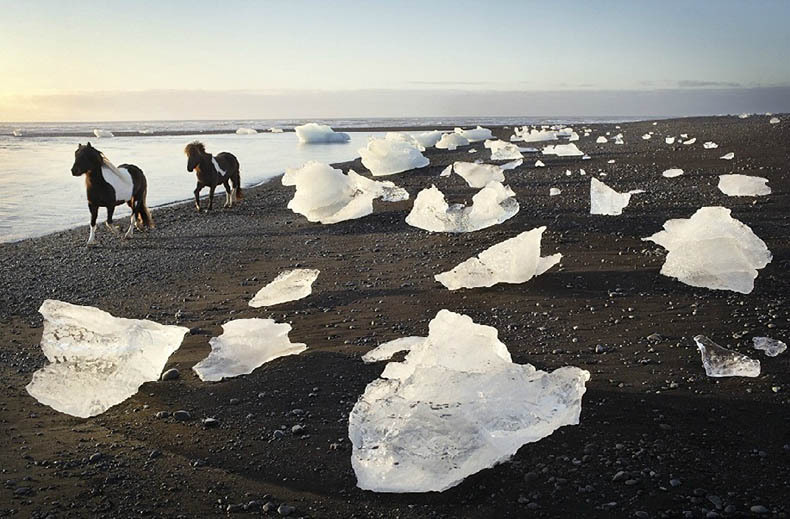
{"x":689,"y":83}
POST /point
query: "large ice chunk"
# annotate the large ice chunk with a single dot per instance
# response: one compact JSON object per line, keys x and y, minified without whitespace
{"x":478,"y":175}
{"x":743,"y":185}
{"x":712,"y":250}
{"x":605,"y":200}
{"x":475,"y":135}
{"x":771,"y":347}
{"x":501,"y":150}
{"x":450,"y":141}
{"x":456,"y":405}
{"x":512,"y":261}
{"x":97,"y":360}
{"x":313,"y":133}
{"x":246,"y":131}
{"x":290,"y":285}
{"x":721,"y":362}
{"x":563,"y":150}
{"x":395,"y":153}
{"x":324,"y":194}
{"x":533,"y":135}
{"x":101,"y":134}
{"x":388,"y":349}
{"x":244,"y":345}
{"x":428,"y":139}
{"x":491,"y":205}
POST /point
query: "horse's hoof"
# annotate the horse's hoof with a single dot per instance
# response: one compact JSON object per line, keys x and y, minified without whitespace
{"x":91,"y":243}
{"x":114,"y":228}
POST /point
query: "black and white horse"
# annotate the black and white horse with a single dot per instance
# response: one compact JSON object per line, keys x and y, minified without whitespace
{"x":213,"y":170}
{"x":108,"y":186}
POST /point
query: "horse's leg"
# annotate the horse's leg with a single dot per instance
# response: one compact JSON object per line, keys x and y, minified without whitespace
{"x":197,"y":195}
{"x":94,"y":209}
{"x":211,"y":197}
{"x":130,"y":231}
{"x":228,"y":195}
{"x":108,"y":223}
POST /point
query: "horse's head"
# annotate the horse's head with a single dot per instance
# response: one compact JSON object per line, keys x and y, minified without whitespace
{"x":86,"y":159}
{"x":194,"y":152}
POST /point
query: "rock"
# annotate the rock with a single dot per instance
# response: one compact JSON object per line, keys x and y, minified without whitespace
{"x":529,"y":477}
{"x":182,"y":415}
{"x":655,"y":337}
{"x":285,"y":510}
{"x":620,"y":476}
{"x":641,"y":515}
{"x":277,"y":434}
{"x":269,"y":507}
{"x":154,"y":454}
{"x":95,"y":457}
{"x":675,"y":482}
{"x":758,"y":509}
{"x":296,"y":429}
{"x":210,"y":422}
{"x":23,"y":491}
{"x":171,"y":374}
{"x":162,"y":414}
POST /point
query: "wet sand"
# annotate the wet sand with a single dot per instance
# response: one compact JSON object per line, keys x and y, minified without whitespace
{"x":682,"y":441}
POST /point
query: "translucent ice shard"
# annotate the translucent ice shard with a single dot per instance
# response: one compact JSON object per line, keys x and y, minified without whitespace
{"x":539,"y":164}
{"x":743,"y":185}
{"x":324,"y":194}
{"x":601,"y":140}
{"x":491,"y":205}
{"x":450,"y":141}
{"x":18,"y":132}
{"x":456,"y":405}
{"x":728,"y":156}
{"x":712,"y":250}
{"x":501,"y":150}
{"x":274,"y":129}
{"x":533,"y":135}
{"x":710,"y":145}
{"x":774,"y":120}
{"x":516,"y":260}
{"x":513,"y":164}
{"x":690,"y":141}
{"x":97,"y":360}
{"x":669,"y":140}
{"x":103,"y":133}
{"x":475,"y":135}
{"x":721,"y":362}
{"x":393,"y":154}
{"x":672,"y":173}
{"x":313,"y":133}
{"x":244,"y":345}
{"x":388,"y":349}
{"x":646,"y":136}
{"x":605,"y":200}
{"x":246,"y":131}
{"x":446,"y":172}
{"x":478,"y":175}
{"x":563,"y":150}
{"x":428,"y":139}
{"x":771,"y":347}
{"x":554,"y":191}
{"x":290,"y":285}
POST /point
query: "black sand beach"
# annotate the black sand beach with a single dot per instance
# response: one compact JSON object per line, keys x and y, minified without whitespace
{"x":657,"y":438}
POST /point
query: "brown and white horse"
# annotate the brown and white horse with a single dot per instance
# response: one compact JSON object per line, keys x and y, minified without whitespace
{"x":108,"y":186}
{"x":212,"y":170}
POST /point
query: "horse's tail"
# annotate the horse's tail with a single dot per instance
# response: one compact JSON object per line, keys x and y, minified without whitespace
{"x":239,"y":192}
{"x":144,"y":214}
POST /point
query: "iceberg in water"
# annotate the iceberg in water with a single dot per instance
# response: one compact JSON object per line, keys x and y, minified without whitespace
{"x":743,"y":185}
{"x":491,"y":205}
{"x":607,"y":201}
{"x":324,"y":194}
{"x":246,"y":131}
{"x":290,"y":285}
{"x":103,"y":133}
{"x":476,"y":135}
{"x":710,"y":145}
{"x":313,"y":133}
{"x":456,"y":405}
{"x":395,"y":153}
{"x":97,"y":360}
{"x":428,"y":139}
{"x":501,"y":150}
{"x":563,"y":150}
{"x":712,"y":250}
{"x":672,"y":173}
{"x":721,"y":362}
{"x":478,"y":175}
{"x":512,"y":261}
{"x":771,"y":347}
{"x":728,"y":156}
{"x":244,"y":345}
{"x":450,"y":141}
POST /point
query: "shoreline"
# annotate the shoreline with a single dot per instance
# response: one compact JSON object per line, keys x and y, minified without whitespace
{"x":648,"y":412}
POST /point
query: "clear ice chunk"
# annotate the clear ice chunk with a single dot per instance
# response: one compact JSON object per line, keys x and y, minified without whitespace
{"x":456,"y":405}
{"x":395,"y":153}
{"x":728,"y":156}
{"x":478,"y":175}
{"x":605,"y":200}
{"x":246,"y":131}
{"x":669,"y":140}
{"x":743,"y":185}
{"x":672,"y":173}
{"x":290,"y":285}
{"x":712,"y":250}
{"x":388,"y":349}
{"x":450,"y":141}
{"x":428,"y":139}
{"x":516,"y":260}
{"x":513,"y":164}
{"x":721,"y":362}
{"x":475,"y":135}
{"x":601,"y":140}
{"x":563,"y":150}
{"x":771,"y":347}
{"x":244,"y":345}
{"x":710,"y":145}
{"x":501,"y":150}
{"x":97,"y":360}
{"x":313,"y":133}
{"x":554,"y":191}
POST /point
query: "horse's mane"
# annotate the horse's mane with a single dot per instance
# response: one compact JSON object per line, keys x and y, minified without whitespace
{"x":194,"y":147}
{"x":107,"y":164}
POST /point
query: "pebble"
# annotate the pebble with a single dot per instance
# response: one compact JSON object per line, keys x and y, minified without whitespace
{"x":96,"y":456}
{"x":285,"y":510}
{"x":619,"y":476}
{"x":171,"y":374}
{"x":162,"y":414}
{"x":210,"y":422}
{"x":675,"y":482}
{"x":758,"y":509}
{"x":269,"y":507}
{"x":181,"y":415}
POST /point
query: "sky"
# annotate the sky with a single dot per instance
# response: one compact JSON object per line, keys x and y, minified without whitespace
{"x":134,"y":60}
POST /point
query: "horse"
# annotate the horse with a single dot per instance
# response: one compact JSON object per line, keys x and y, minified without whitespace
{"x":213,"y":170}
{"x":108,"y":186}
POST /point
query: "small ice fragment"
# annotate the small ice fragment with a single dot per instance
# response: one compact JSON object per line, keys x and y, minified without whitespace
{"x":743,"y":185}
{"x":246,"y":344}
{"x":669,"y":140}
{"x":728,"y":156}
{"x":771,"y":347}
{"x":672,"y":173}
{"x":684,"y":135}
{"x":712,"y":250}
{"x":472,"y":151}
{"x":395,"y":153}
{"x":275,"y":130}
{"x":96,"y":360}
{"x":450,"y":141}
{"x":582,"y":172}
{"x":563,"y":150}
{"x":446,"y":172}
{"x":619,"y":140}
{"x":491,"y":205}
{"x":512,"y":164}
{"x":610,"y":161}
{"x":774,"y":120}
{"x":539,"y":164}
{"x":690,"y":141}
{"x":601,"y":140}
{"x":554,"y":191}
{"x":246,"y":131}
{"x":476,"y":135}
{"x":18,"y":132}
{"x":388,"y":349}
{"x":103,"y":133}
{"x":586,"y":157}
{"x":478,"y":175}
{"x":646,"y":136}
{"x":428,"y":139}
{"x":290,"y":285}
{"x":514,"y":261}
{"x":312,"y":133}
{"x":710,"y":145}
{"x":721,"y":362}
{"x":743,"y":116}
{"x":528,"y":150}
{"x":456,"y":405}
{"x":501,"y":150}
{"x":568,"y":173}
{"x":605,"y":200}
